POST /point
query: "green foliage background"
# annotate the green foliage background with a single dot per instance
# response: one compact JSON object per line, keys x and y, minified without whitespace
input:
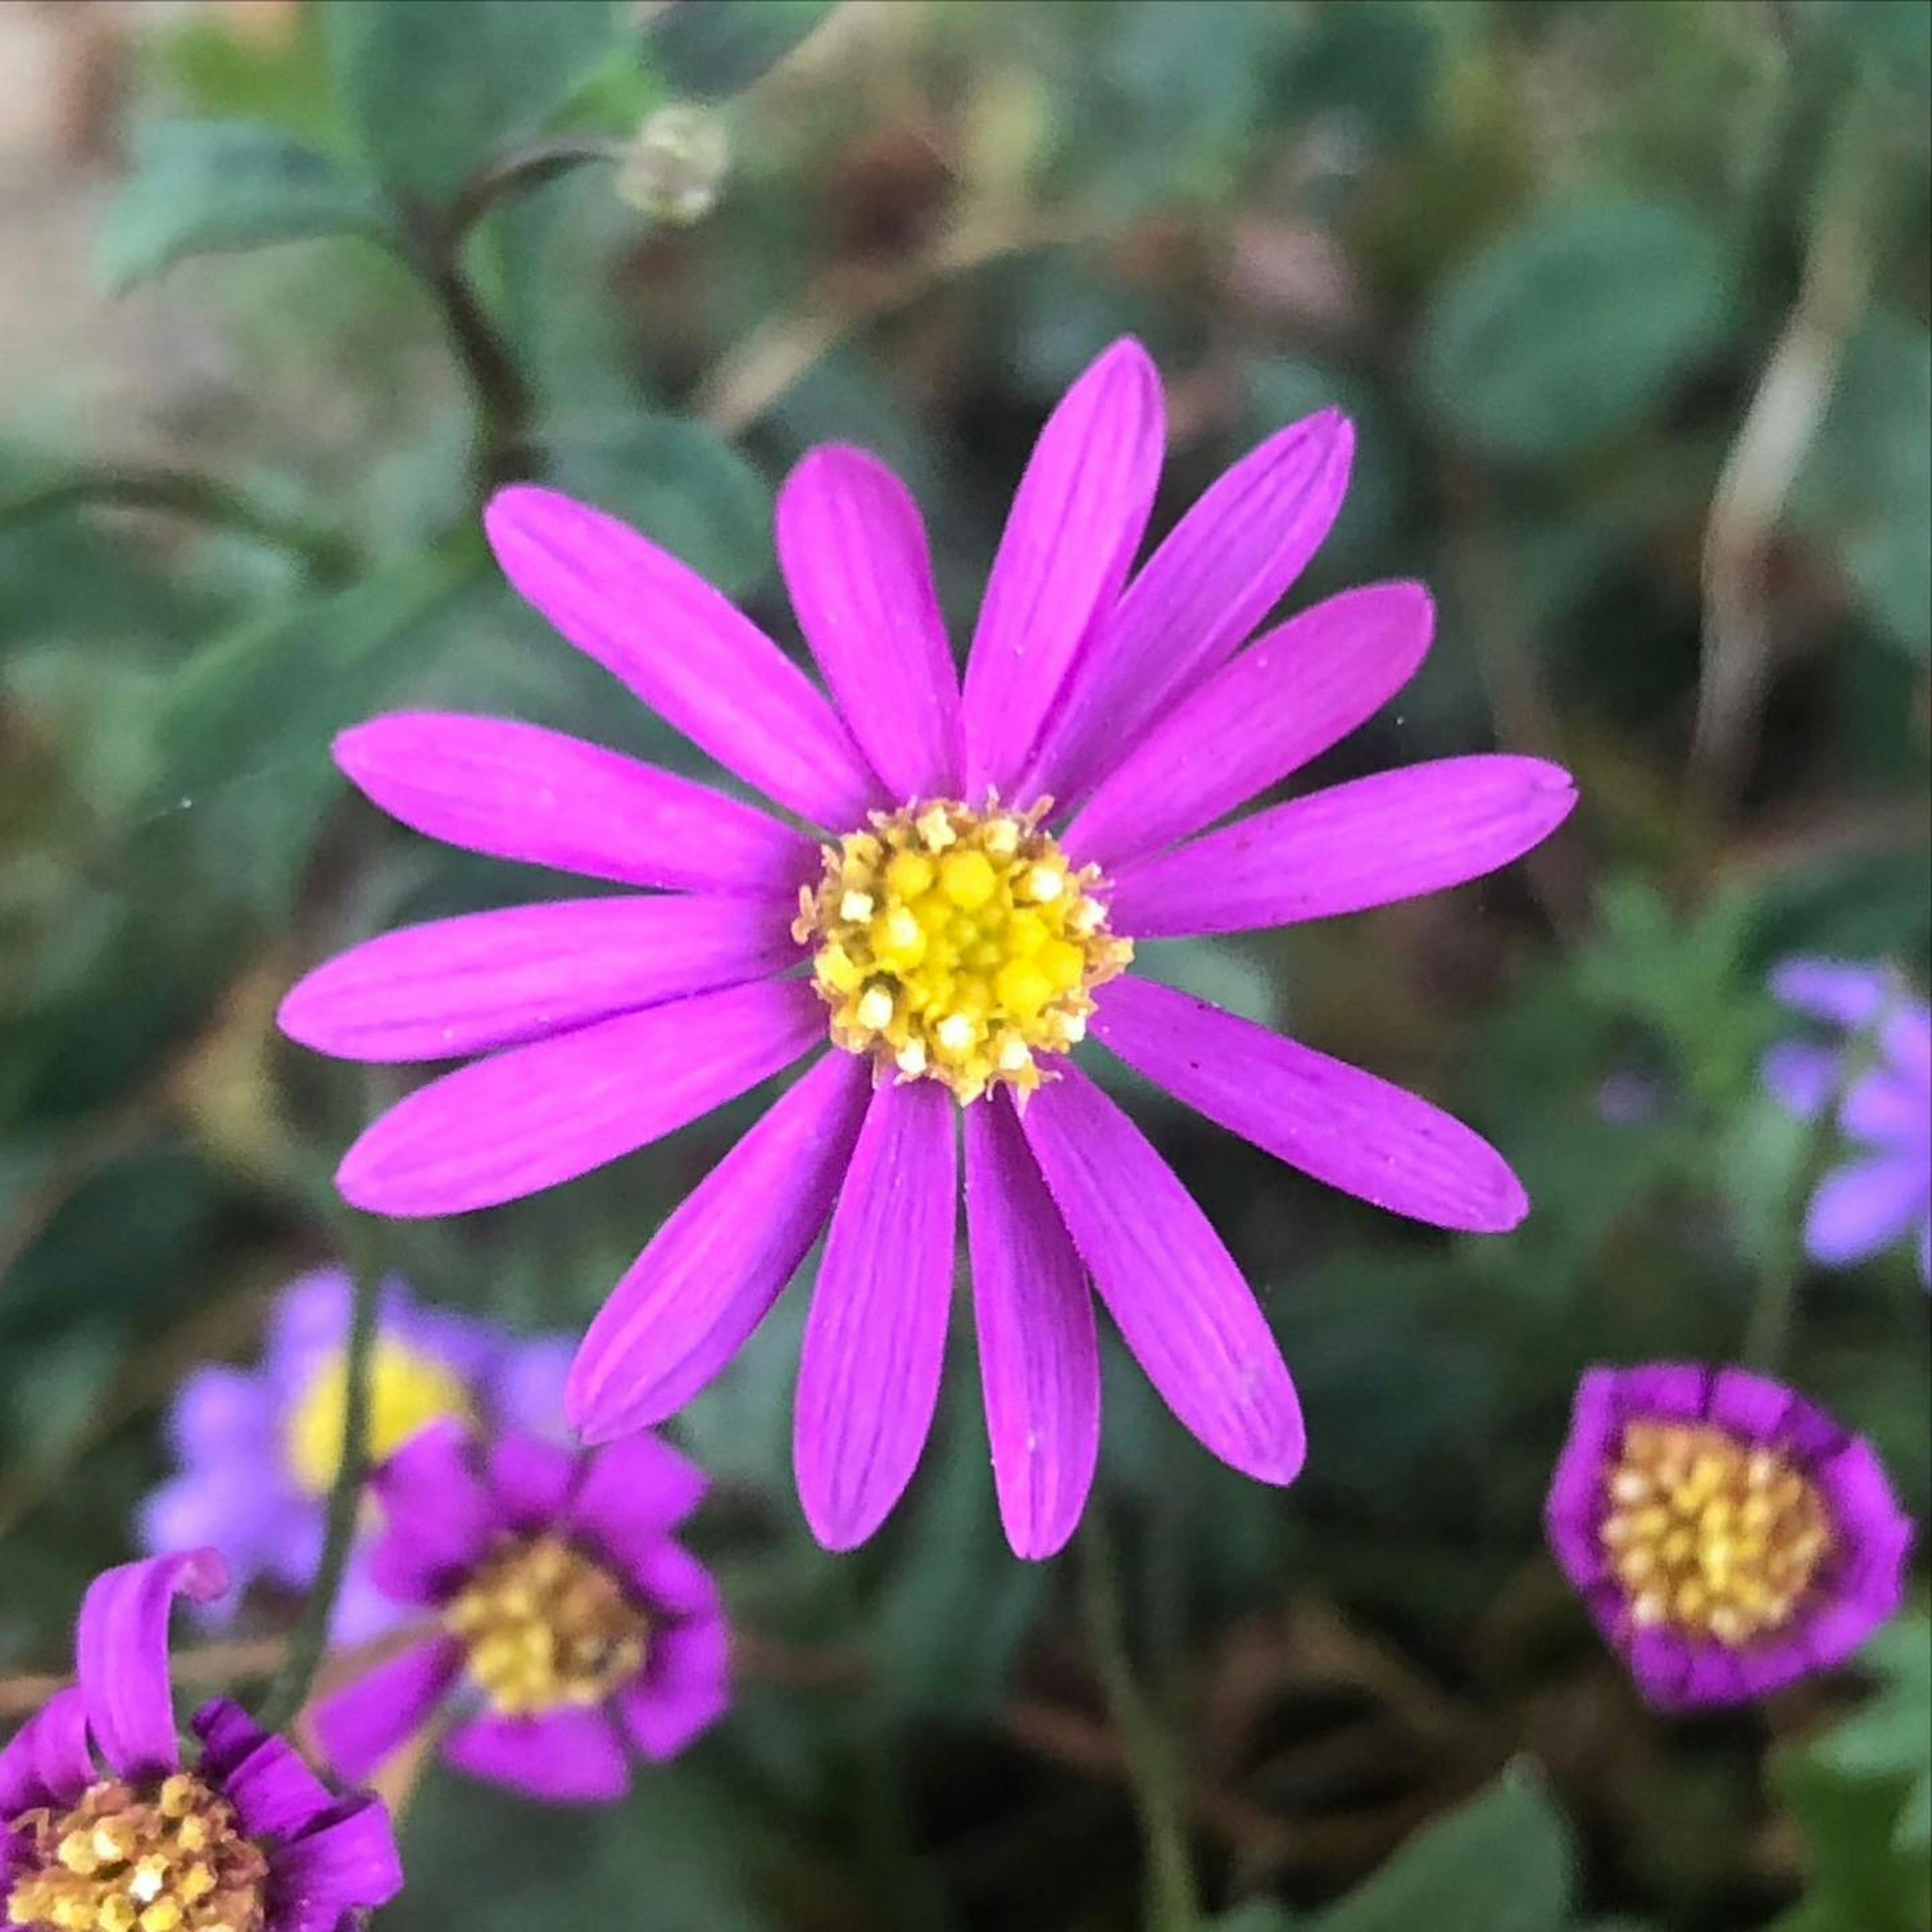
{"x":1629,"y":302}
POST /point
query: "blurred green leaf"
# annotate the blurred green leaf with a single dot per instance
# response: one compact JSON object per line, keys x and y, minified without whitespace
{"x":1891,"y":1735}
{"x":1500,"y":1864}
{"x":1257,"y":1915}
{"x":1858,"y":1876}
{"x":1574,"y":327}
{"x":201,"y":187}
{"x":434,"y":88}
{"x":711,"y":48}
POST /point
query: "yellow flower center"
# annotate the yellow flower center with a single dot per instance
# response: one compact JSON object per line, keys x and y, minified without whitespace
{"x":171,"y":1859}
{"x":548,"y":1627}
{"x":407,"y":1393}
{"x":957,"y":945}
{"x":1713,"y":1537}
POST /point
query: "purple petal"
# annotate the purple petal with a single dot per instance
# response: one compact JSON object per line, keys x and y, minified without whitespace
{"x":1172,"y":1288}
{"x":1077,"y":519}
{"x":1907,"y":1039}
{"x":233,"y":1509}
{"x":1574,"y":1510}
{"x":363,"y":1725}
{"x":1802,"y":1076}
{"x":517,"y":791}
{"x":1344,"y":1126}
{"x":1875,"y":1532}
{"x":264,"y":1778}
{"x":716,"y":1266}
{"x":668,"y":1579}
{"x":636,"y":1491}
{"x":531,"y":1479}
{"x":690,"y":654}
{"x":853,"y":551}
{"x":1663,"y":1392}
{"x":47,"y":1761}
{"x":868,"y":1369}
{"x":121,"y":1650}
{"x":220,"y":1413}
{"x":1394,"y":836}
{"x":346,"y":1863}
{"x":1861,"y":1208}
{"x":526,"y":1391}
{"x":438,"y":1519}
{"x":1039,"y":1361}
{"x":685,"y":1689}
{"x":1223,"y":569}
{"x":568,"y":1757}
{"x":459,"y":986}
{"x":1847,"y":995}
{"x":1750,"y":1408}
{"x":531,"y":1116}
{"x":1888,"y":1104}
{"x":1286,"y":699}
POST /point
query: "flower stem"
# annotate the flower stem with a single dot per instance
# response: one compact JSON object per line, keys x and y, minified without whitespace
{"x":309,"y":1640}
{"x":1173,"y":1902}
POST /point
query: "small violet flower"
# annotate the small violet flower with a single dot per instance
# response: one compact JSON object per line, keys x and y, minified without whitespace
{"x":1728,"y":1536}
{"x":259,"y":1448}
{"x":984,"y":858}
{"x":1885,"y":1193}
{"x":104,"y":1828}
{"x":569,"y":1623}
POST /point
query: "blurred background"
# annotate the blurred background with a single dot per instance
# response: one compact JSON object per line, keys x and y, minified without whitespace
{"x":1628,"y":300}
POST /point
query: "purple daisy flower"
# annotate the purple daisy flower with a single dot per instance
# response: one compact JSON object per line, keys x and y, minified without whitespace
{"x":572,"y":1629}
{"x":259,"y":1448}
{"x":1728,"y":1536}
{"x":984,"y":859}
{"x":102,"y":1826}
{"x":1886,"y":1192}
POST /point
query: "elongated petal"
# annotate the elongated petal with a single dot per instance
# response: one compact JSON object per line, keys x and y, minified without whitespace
{"x":635,"y":1491}
{"x":363,"y":1725}
{"x":1394,"y":836}
{"x":533,"y":1116}
{"x":692,"y":1298}
{"x":47,"y":1761}
{"x":1841,"y":992}
{"x":530,"y":1478}
{"x":438,"y":1519}
{"x":569,"y":1757}
{"x":1889,"y":1104}
{"x":346,"y":1864}
{"x":685,"y":648}
{"x":1077,"y":520}
{"x":263,"y":1776}
{"x":459,"y":986}
{"x":1039,"y":1361}
{"x":853,"y":551}
{"x":1224,"y":567}
{"x":1172,"y":1289}
{"x":1284,"y":700}
{"x":1864,"y":1207}
{"x":121,"y":1650}
{"x":518,"y":791}
{"x":868,"y":1370}
{"x":1802,"y":1076}
{"x":1330,"y":1119}
{"x":685,"y":1689}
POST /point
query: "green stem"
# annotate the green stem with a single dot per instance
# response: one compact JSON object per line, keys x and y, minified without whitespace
{"x":309,"y":1640}
{"x":520,"y":168}
{"x":1173,"y":1902}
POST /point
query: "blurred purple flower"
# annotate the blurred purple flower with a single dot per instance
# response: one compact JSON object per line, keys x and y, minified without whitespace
{"x":573,"y":1630}
{"x":1885,"y":1191}
{"x":955,"y":947}
{"x":1728,"y":1536}
{"x":102,"y":1826}
{"x":259,"y":1447}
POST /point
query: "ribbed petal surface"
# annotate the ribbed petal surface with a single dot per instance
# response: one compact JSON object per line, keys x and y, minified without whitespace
{"x":853,"y":551}
{"x":1039,"y":1360}
{"x":868,"y":1370}
{"x":1330,"y":1119}
{"x":688,"y":651}
{"x":1077,"y":520}
{"x":533,"y":1116}
{"x":47,"y":1761}
{"x":1172,"y":1289}
{"x":1394,"y":836}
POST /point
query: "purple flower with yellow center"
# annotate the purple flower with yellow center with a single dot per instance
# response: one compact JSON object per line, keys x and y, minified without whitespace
{"x":104,"y":1827}
{"x":1727,"y":1535}
{"x":259,"y":1448}
{"x":982,"y":860}
{"x":1884,"y":1194}
{"x":571,"y":1628}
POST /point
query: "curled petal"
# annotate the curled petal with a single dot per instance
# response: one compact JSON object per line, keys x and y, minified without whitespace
{"x":47,"y":1761}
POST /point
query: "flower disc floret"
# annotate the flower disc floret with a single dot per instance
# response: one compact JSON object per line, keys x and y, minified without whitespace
{"x":407,"y":1391}
{"x":956,"y":945}
{"x":547,"y":1628}
{"x":171,"y":1858}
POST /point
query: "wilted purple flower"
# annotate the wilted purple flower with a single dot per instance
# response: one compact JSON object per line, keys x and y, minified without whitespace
{"x":572,"y":1628}
{"x":989,"y":857}
{"x":259,"y":1448}
{"x":102,"y":1828}
{"x":1886,"y":1192}
{"x":1727,"y":1535}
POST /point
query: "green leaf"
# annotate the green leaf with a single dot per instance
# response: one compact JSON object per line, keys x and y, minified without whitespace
{"x":434,"y":88}
{"x":711,"y":48}
{"x":1500,"y":1864}
{"x":1859,"y":1877}
{"x":1575,"y":327}
{"x":1887,"y":1738}
{"x":681,"y":484}
{"x":199,"y":188}
{"x":1256,"y":1914}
